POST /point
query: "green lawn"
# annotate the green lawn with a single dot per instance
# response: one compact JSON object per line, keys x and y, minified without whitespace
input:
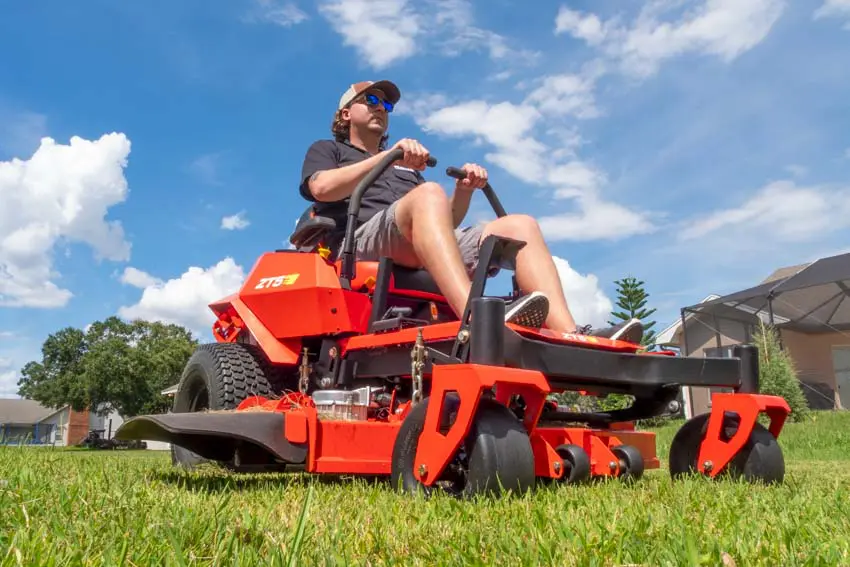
{"x":71,"y":507}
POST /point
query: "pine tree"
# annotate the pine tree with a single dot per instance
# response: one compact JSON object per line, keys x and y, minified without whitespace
{"x":777,"y":374}
{"x":632,"y":299}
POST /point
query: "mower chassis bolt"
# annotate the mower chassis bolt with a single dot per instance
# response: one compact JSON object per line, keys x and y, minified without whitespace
{"x":463,"y":336}
{"x":612,"y":465}
{"x":557,"y":467}
{"x":708,"y":465}
{"x":423,"y":471}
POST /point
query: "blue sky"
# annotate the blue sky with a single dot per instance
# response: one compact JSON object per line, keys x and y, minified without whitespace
{"x":695,"y":144}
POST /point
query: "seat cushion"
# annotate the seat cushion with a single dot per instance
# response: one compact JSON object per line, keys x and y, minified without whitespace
{"x":407,"y":279}
{"x":404,"y":281}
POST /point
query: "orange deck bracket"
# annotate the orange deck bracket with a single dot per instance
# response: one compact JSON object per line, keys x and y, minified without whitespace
{"x":715,"y":453}
{"x":468,"y":381}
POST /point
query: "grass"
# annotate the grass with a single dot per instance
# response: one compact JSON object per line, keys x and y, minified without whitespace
{"x":72,"y":507}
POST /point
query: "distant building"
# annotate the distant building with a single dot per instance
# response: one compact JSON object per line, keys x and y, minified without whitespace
{"x":808,"y":303}
{"x":30,"y":423}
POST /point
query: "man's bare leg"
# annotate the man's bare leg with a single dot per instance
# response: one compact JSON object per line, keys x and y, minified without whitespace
{"x":535,"y":270}
{"x":424,"y":217}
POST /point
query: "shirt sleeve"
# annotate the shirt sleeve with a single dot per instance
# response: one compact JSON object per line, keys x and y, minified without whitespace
{"x":320,"y":156}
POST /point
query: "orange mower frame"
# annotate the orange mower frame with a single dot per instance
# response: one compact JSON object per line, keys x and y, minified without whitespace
{"x":346,"y":367}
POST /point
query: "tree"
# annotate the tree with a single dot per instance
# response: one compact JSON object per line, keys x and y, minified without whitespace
{"x":632,"y":299}
{"x":777,"y":374}
{"x":54,"y":381}
{"x":114,"y":365}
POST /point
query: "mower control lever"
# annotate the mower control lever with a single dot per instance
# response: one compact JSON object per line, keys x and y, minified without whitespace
{"x":458,"y":173}
{"x":347,"y":270}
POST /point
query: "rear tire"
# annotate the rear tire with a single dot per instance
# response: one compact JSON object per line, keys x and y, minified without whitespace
{"x":219,"y":376}
{"x":495,"y":456}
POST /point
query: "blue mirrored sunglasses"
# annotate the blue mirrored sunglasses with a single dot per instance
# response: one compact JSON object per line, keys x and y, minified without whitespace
{"x":373,"y":100}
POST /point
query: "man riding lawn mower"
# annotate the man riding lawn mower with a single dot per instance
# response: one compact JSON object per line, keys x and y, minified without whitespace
{"x":371,"y":348}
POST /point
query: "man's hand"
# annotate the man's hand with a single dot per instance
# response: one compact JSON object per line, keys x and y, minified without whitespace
{"x":476,"y":178}
{"x":415,"y":154}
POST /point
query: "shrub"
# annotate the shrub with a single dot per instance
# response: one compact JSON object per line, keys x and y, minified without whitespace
{"x":777,"y":374}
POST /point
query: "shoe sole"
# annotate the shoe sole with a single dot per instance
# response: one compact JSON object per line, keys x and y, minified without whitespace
{"x":618,"y":336}
{"x":530,"y":311}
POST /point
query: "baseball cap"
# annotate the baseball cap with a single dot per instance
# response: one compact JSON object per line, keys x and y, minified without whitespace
{"x":389,"y":88}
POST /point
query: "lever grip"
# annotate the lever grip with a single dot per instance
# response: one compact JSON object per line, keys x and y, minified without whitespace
{"x":458,"y":173}
{"x":455,"y":172}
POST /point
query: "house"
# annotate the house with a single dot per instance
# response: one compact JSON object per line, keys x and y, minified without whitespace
{"x":810,"y":306}
{"x":28,"y":422}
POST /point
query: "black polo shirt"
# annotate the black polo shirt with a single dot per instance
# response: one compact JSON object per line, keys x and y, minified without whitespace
{"x":391,"y":186}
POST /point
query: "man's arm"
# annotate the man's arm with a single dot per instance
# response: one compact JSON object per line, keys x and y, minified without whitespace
{"x":476,"y":178}
{"x":460,"y":204}
{"x":325,"y":181}
{"x":336,"y":184}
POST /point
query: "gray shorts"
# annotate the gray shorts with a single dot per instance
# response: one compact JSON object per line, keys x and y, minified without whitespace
{"x":380,"y":236}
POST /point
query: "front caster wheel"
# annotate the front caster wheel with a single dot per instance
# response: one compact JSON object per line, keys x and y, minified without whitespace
{"x":495,"y":456}
{"x":759,"y":460}
{"x":630,"y":461}
{"x":576,"y":463}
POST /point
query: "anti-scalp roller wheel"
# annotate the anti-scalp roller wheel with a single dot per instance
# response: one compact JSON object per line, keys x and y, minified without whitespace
{"x":576,"y":463}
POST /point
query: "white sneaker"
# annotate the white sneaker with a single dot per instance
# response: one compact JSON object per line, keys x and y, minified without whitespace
{"x":528,"y":311}
{"x":629,"y":331}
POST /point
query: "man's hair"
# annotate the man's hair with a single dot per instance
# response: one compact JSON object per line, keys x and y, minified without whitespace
{"x":340,"y":128}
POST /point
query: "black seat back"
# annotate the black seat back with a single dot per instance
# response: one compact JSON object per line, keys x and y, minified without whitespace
{"x":312,"y":232}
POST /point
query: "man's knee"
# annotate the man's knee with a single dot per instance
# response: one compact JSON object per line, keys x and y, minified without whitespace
{"x":429,"y":193}
{"x":517,"y":226}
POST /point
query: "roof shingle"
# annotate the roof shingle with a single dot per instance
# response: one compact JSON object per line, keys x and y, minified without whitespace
{"x":22,"y":411}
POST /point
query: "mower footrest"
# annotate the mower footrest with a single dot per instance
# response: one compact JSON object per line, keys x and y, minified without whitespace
{"x":217,"y":435}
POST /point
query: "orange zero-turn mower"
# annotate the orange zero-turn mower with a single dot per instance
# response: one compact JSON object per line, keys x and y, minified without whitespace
{"x":348,"y":367}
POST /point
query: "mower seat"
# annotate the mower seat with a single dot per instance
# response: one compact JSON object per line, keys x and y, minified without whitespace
{"x":411,"y":282}
{"x":313,"y":232}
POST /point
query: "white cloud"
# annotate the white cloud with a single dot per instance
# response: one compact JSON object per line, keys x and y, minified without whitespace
{"x":137,"y":278}
{"x":587,"y":302}
{"x":504,"y":125}
{"x":9,"y":384}
{"x":455,"y":30}
{"x":235,"y":222}
{"x":61,"y":194}
{"x":184,"y":300}
{"x":385,"y":32}
{"x":834,"y":9}
{"x":381,"y":31}
{"x":8,"y":379}
{"x":509,"y":129}
{"x":6,"y":334}
{"x":781,"y":210}
{"x":595,"y":220}
{"x":722,"y":28}
{"x":284,"y":14}
{"x":564,"y":95}
{"x":582,"y":26}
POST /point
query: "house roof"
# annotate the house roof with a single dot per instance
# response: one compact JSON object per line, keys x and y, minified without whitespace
{"x":810,"y":298}
{"x":785,"y":272}
{"x":669,"y":336}
{"x":23,"y":411}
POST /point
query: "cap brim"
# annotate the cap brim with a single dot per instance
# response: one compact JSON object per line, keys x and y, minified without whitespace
{"x":390,"y":89}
